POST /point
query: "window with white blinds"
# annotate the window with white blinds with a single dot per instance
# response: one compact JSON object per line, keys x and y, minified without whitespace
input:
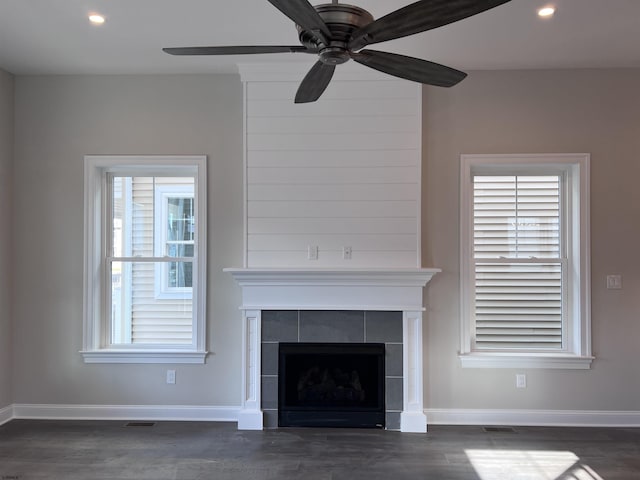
{"x":525,"y":261}
{"x":518,"y":263}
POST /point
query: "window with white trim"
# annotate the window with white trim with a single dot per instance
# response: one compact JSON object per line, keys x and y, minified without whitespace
{"x":145,"y":259}
{"x":174,"y":237}
{"x":525,"y":261}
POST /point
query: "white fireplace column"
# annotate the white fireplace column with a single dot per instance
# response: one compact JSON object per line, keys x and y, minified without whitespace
{"x":332,"y":289}
{"x":250,"y":416}
{"x":412,"y":418}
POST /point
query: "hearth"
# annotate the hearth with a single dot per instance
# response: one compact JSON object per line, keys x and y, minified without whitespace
{"x":331,"y":385}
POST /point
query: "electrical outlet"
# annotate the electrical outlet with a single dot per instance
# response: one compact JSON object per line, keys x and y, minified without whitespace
{"x":312,"y":252}
{"x":521,"y":380}
{"x":346,"y":253}
{"x":614,"y":282}
{"x":171,"y":377}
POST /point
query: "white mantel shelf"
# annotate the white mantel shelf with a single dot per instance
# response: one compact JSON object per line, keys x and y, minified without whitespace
{"x":343,"y":276}
{"x":333,"y":289}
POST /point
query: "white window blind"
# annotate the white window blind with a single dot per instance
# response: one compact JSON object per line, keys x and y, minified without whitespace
{"x":518,"y":261}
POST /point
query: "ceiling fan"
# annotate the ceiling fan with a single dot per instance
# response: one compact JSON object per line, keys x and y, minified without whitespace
{"x":337,"y":32}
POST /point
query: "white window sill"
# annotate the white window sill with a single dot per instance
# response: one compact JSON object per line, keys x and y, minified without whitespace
{"x":146,"y":356}
{"x":525,"y":360}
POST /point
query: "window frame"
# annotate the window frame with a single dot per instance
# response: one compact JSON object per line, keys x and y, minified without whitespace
{"x":574,"y":217}
{"x":163,"y":193}
{"x":96,"y":324}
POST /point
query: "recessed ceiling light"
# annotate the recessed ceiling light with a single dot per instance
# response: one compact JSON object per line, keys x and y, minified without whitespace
{"x":96,"y":19}
{"x":546,"y":12}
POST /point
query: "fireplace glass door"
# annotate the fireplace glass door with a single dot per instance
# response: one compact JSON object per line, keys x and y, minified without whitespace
{"x":331,"y":385}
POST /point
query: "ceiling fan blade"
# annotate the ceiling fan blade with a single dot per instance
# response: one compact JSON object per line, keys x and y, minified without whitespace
{"x":314,"y":83}
{"x":409,"y":68}
{"x":236,"y":50}
{"x":418,"y":17}
{"x":304,"y":15}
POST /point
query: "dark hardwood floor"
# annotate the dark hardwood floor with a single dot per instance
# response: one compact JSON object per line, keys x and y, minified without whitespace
{"x":92,"y":450}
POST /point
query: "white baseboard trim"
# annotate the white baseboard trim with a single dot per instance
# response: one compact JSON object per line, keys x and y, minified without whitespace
{"x":6,"y":414}
{"x":547,"y":418}
{"x":127,"y":412}
{"x":435,"y":416}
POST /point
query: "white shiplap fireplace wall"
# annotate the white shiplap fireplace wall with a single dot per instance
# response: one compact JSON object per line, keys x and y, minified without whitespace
{"x":341,"y":174}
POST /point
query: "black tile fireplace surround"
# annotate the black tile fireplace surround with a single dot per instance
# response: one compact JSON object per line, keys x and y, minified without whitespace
{"x":332,"y":327}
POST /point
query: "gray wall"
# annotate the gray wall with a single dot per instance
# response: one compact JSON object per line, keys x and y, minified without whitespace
{"x":6,"y":155}
{"x":593,"y":111}
{"x":60,"y":119}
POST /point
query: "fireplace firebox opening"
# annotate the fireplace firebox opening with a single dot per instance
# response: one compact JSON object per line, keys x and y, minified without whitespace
{"x":331,"y":385}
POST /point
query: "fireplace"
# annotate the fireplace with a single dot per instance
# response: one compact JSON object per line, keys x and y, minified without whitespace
{"x":332,"y":332}
{"x":331,"y":385}
{"x":281,"y":305}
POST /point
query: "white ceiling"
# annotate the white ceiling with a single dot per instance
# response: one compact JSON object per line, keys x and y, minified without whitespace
{"x":55,"y":37}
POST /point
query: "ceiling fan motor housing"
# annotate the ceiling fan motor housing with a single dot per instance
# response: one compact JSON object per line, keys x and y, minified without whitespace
{"x":342,"y":20}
